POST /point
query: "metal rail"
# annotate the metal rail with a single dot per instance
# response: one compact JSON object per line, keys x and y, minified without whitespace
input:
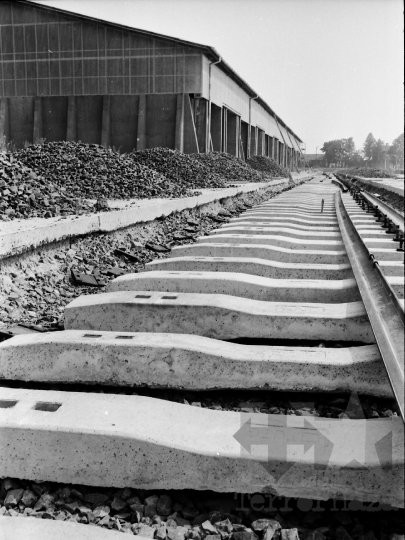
{"x":383,"y":309}
{"x":394,"y":216}
{"x":339,"y":184}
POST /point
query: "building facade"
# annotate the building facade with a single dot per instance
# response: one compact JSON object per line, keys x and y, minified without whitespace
{"x":315,"y":160}
{"x":65,"y":76}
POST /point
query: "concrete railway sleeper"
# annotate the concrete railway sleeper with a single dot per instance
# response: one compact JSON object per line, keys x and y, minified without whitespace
{"x":286,"y":277}
{"x":188,"y":362}
{"x":262,"y":251}
{"x":241,"y":285}
{"x":258,"y":267}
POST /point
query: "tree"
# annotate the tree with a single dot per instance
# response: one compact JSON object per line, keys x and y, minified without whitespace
{"x":368,"y":147}
{"x":339,"y":150}
{"x":397,"y":150}
{"x":378,"y":151}
{"x":348,"y":149}
{"x":356,"y":159}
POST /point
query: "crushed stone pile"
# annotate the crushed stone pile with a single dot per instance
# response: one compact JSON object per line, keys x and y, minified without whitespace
{"x":230,"y":168}
{"x":24,"y":193}
{"x":365,"y":172}
{"x":182,"y":169}
{"x":92,"y":171}
{"x":64,"y":178}
{"x":268,"y":166}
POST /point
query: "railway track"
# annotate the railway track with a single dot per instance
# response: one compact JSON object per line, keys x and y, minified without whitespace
{"x":272,"y":301}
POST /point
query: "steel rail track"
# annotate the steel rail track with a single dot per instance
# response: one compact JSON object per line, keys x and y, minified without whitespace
{"x":383,"y":309}
{"x":220,"y":453}
{"x":392,"y":214}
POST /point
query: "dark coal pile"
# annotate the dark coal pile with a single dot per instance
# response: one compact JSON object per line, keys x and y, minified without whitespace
{"x":365,"y":172}
{"x":229,"y":168}
{"x":92,"y":172}
{"x":25,"y":193}
{"x":268,"y":166}
{"x":187,"y":514}
{"x":50,"y":179}
{"x":182,"y":169}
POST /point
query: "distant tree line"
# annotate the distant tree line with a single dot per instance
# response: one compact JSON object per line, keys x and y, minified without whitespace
{"x":375,"y":152}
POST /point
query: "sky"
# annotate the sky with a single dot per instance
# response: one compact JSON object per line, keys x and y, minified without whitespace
{"x":330,"y":69}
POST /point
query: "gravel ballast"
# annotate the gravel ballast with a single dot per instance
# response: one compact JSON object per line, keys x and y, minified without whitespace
{"x":182,"y":515}
{"x":43,"y":285}
{"x":35,"y":290}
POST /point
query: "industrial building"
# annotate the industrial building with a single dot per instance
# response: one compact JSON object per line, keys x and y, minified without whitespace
{"x":71,"y":77}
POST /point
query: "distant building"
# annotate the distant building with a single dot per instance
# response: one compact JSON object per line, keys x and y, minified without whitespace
{"x":315,"y":160}
{"x":65,"y":76}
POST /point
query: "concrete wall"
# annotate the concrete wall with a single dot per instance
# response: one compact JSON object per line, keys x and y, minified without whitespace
{"x":125,"y":122}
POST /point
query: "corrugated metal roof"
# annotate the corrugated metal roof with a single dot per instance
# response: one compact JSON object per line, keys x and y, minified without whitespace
{"x":207,"y":49}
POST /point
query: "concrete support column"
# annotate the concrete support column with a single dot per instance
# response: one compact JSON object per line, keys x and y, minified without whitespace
{"x":71,"y":127}
{"x":106,"y":123}
{"x":225,"y":130}
{"x":201,"y":123}
{"x":259,"y":143}
{"x":141,"y":128}
{"x":232,"y":134}
{"x":38,"y":121}
{"x":190,"y":143}
{"x":253,"y":141}
{"x":216,"y":128}
{"x":241,"y":145}
{"x":179,"y":136}
{"x":4,"y":119}
{"x":271,"y":147}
